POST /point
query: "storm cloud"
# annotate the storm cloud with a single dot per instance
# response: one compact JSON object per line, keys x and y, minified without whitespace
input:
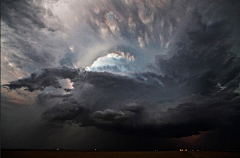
{"x":164,"y":69}
{"x":139,"y":104}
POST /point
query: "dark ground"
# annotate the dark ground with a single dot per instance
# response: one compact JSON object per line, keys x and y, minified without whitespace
{"x":103,"y":154}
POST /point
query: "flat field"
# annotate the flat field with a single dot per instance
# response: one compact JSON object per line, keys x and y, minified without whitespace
{"x":111,"y":154}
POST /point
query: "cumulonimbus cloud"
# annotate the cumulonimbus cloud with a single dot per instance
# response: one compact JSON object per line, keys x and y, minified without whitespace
{"x":185,"y":78}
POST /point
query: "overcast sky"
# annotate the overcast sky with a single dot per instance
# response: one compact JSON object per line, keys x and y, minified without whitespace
{"x":120,"y":74}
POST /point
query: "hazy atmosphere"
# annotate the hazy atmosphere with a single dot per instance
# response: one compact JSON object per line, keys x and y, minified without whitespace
{"x":120,"y":74}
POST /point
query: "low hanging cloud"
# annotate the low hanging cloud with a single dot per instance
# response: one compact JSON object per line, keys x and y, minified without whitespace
{"x":137,"y":104}
{"x":49,"y":77}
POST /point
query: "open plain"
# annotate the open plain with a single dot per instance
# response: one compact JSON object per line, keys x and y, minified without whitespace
{"x":114,"y":154}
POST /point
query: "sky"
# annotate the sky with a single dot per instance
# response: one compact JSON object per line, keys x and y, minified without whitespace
{"x":120,"y":74}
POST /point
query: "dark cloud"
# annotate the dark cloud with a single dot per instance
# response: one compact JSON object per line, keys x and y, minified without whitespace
{"x":45,"y":96}
{"x":135,"y":104}
{"x":109,"y":116}
{"x":48,"y":77}
{"x":185,"y":78}
{"x":67,"y":89}
{"x":18,"y":7}
{"x":67,"y":113}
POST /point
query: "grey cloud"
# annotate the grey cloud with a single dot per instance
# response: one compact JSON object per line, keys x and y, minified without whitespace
{"x":69,"y":112}
{"x":48,"y":77}
{"x":45,"y":96}
{"x":189,"y":86}
{"x":184,"y":120}
{"x":20,"y":13}
{"x":134,"y":107}
{"x":67,"y":89}
{"x":29,"y":43}
{"x":109,"y":115}
{"x":109,"y":102}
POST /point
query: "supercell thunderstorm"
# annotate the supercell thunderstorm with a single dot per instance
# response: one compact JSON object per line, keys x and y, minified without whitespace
{"x":136,"y":67}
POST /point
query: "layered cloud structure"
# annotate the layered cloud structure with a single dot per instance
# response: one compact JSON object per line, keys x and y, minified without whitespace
{"x":154,"y":68}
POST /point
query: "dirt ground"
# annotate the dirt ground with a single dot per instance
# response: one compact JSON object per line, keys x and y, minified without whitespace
{"x":101,"y":154}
